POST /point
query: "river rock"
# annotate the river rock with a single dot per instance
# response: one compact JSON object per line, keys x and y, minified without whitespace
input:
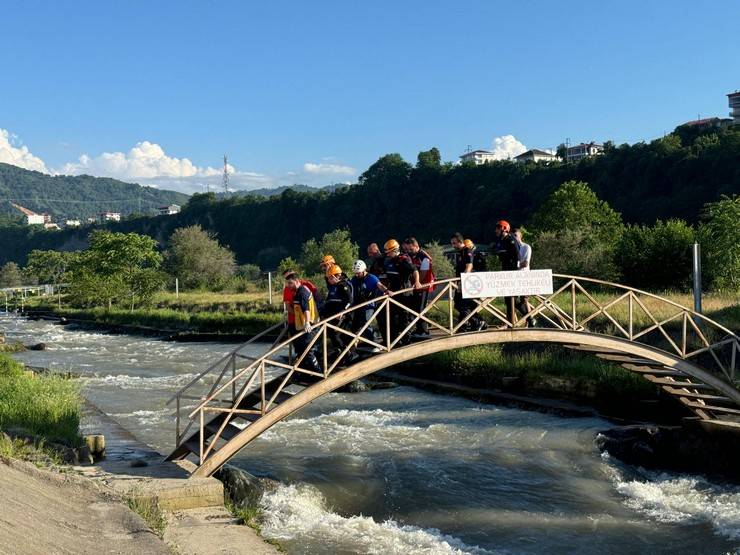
{"x":243,"y":488}
{"x":36,"y":347}
{"x":679,"y":448}
{"x":96,"y":444}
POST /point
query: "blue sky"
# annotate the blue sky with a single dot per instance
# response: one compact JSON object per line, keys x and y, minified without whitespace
{"x":314,"y":92}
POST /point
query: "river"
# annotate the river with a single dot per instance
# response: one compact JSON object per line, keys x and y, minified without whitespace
{"x":406,"y":471}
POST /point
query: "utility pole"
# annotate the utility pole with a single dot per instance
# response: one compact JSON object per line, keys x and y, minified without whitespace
{"x":226,"y":175}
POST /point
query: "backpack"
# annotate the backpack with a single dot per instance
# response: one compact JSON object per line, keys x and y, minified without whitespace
{"x":480,"y":264}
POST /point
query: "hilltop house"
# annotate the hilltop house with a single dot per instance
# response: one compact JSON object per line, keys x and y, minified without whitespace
{"x":109,"y":217}
{"x":536,"y":155}
{"x":169,"y":210}
{"x":478,"y":157}
{"x":583,"y":150}
{"x":734,"y":100}
{"x":32,"y":218}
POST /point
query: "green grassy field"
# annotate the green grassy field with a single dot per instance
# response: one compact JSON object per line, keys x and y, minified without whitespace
{"x":47,"y":407}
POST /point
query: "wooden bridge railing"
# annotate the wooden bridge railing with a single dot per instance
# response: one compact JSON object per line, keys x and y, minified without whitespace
{"x":576,"y":304}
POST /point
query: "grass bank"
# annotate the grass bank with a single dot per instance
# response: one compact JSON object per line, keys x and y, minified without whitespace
{"x":167,"y":319}
{"x":45,"y":407}
{"x":552,"y":372}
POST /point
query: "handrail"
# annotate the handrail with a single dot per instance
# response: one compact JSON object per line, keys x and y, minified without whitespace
{"x":223,"y":359}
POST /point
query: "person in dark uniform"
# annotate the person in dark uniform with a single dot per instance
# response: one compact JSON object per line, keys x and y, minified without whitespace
{"x":423,"y":264}
{"x":507,"y":250}
{"x":464,"y":264}
{"x":338,"y":299}
{"x":375,"y":262}
{"x":365,"y":287}
{"x":400,"y":274}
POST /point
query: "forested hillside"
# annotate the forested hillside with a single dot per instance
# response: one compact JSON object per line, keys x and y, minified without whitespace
{"x":77,"y":197}
{"x":672,"y":177}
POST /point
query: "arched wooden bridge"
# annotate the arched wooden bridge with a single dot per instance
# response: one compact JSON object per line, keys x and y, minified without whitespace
{"x":689,"y":356}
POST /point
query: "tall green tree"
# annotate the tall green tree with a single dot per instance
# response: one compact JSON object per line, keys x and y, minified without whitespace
{"x":10,"y":275}
{"x":337,"y":243}
{"x":575,"y":232}
{"x":117,"y":268}
{"x":49,"y":266}
{"x":196,"y":258}
{"x":429,"y":159}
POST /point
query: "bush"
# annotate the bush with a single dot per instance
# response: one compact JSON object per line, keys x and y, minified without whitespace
{"x":443,"y":268}
{"x":197,"y":260}
{"x":657,"y":257}
{"x":574,"y":252}
{"x":719,"y":235}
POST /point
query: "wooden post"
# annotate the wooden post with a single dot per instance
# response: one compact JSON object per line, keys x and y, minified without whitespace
{"x":269,"y":287}
{"x":177,"y":422}
{"x":177,"y":288}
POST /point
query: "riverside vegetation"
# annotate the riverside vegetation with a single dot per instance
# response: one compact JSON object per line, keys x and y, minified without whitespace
{"x":46,"y":408}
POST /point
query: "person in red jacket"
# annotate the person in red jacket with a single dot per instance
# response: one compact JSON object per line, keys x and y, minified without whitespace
{"x":288,"y":296}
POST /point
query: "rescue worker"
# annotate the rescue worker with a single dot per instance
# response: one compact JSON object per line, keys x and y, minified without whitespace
{"x":525,"y":260}
{"x":464,"y":264}
{"x":326,"y":262}
{"x":375,"y":261}
{"x":338,"y":299}
{"x":508,"y":253}
{"x":305,"y":316}
{"x":365,"y":287}
{"x":288,"y":293}
{"x":400,"y":274}
{"x":423,"y":264}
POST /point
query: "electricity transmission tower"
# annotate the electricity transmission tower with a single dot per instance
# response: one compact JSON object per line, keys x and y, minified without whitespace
{"x":226,"y":175}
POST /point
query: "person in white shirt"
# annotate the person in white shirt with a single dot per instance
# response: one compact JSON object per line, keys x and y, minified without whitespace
{"x":525,"y":260}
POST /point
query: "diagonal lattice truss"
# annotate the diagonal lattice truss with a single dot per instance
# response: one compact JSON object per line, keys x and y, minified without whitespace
{"x":245,"y":386}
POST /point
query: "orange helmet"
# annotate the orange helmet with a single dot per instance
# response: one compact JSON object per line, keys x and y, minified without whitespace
{"x":469,"y":243}
{"x":333,"y":270}
{"x":328,"y":260}
{"x":503,"y":224}
{"x":391,"y":245}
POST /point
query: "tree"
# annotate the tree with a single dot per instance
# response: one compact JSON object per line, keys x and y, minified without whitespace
{"x":575,"y":206}
{"x":49,"y":266}
{"x":250,"y":272}
{"x":429,"y":159}
{"x":10,"y":275}
{"x":443,"y":268}
{"x":196,"y":259}
{"x":390,"y":170}
{"x":337,"y":243}
{"x":116,"y":268}
{"x":719,"y":235}
{"x":589,"y":228}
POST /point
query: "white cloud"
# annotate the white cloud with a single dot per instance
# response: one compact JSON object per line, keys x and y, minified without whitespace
{"x":144,"y":161}
{"x":17,"y":154}
{"x":328,"y":169}
{"x":506,"y":147}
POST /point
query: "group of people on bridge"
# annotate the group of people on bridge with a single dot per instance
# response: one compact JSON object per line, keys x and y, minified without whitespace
{"x":404,"y":267}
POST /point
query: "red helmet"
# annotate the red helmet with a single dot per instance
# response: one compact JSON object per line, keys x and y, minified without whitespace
{"x":503,"y":224}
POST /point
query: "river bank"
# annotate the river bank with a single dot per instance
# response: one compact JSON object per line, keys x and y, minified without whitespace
{"x":386,"y":470}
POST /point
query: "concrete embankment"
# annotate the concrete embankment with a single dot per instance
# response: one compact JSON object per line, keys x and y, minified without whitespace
{"x":85,"y":510}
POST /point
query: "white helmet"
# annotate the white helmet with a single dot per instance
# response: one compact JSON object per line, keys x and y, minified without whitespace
{"x":359,"y":266}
